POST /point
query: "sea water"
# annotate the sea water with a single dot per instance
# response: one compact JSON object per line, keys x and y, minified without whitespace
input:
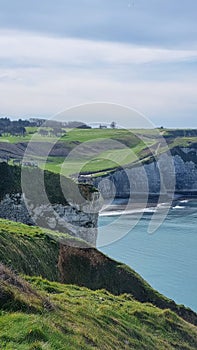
{"x":166,"y":259}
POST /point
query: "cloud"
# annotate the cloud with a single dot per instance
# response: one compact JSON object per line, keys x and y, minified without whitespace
{"x":42,"y":75}
{"x":154,"y":22}
{"x":58,"y":90}
{"x":22,"y":48}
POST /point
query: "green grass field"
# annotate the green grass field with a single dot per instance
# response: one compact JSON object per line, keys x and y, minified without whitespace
{"x":104,"y":161}
{"x":99,"y":151}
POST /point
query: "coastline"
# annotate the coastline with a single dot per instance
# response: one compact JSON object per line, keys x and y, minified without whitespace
{"x":119,"y":206}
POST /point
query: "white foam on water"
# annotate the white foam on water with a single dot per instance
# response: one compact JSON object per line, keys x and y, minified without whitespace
{"x":178,"y":207}
{"x":128,"y":212}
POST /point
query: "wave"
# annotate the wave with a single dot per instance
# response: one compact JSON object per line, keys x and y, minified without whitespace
{"x":163,"y":205}
{"x":116,"y":211}
{"x":151,"y":210}
{"x":178,"y":207}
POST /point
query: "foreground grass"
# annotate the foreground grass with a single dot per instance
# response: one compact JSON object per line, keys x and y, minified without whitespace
{"x":77,"y":318}
{"x":59,"y":257}
{"x":36,"y":313}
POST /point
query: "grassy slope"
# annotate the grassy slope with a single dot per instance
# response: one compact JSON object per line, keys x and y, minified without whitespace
{"x":39,"y":314}
{"x":28,"y":250}
{"x":35,"y":252}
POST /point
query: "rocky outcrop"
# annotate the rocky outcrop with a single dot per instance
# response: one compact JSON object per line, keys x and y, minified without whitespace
{"x":13,"y":207}
{"x":64,"y":218}
{"x":166,"y":174}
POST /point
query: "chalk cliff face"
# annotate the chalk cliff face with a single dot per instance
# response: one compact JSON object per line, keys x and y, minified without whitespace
{"x":65,"y":218}
{"x":185,"y":162}
{"x":177,"y":172}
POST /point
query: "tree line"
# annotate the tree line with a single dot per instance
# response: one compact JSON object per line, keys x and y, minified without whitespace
{"x":18,"y":127}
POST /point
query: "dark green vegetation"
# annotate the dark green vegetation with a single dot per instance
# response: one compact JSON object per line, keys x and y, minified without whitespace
{"x":53,"y":183}
{"x":10,"y":180}
{"x":13,"y":128}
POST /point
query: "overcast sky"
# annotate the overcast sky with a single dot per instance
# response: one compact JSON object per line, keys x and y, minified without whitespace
{"x":138,"y":53}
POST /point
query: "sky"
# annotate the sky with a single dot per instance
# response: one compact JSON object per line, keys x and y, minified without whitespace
{"x":136,"y":53}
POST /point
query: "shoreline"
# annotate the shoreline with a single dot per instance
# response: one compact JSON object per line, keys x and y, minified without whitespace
{"x":120,"y":205}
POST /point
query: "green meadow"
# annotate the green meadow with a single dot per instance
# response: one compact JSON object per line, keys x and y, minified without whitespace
{"x":100,"y":151}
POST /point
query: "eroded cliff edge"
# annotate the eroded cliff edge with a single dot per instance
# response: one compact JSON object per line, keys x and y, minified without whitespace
{"x":54,"y":256}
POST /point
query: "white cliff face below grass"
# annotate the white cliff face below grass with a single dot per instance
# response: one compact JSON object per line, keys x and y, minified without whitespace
{"x":179,"y":174}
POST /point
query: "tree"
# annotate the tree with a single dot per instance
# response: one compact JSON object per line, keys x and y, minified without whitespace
{"x":113,"y":125}
{"x":17,"y":130}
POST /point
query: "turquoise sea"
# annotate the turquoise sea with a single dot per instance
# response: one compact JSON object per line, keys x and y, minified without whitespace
{"x":167,"y":259}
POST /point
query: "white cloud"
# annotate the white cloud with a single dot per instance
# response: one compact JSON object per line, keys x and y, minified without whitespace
{"x":44,"y":75}
{"x":29,"y":48}
{"x":57,"y":90}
